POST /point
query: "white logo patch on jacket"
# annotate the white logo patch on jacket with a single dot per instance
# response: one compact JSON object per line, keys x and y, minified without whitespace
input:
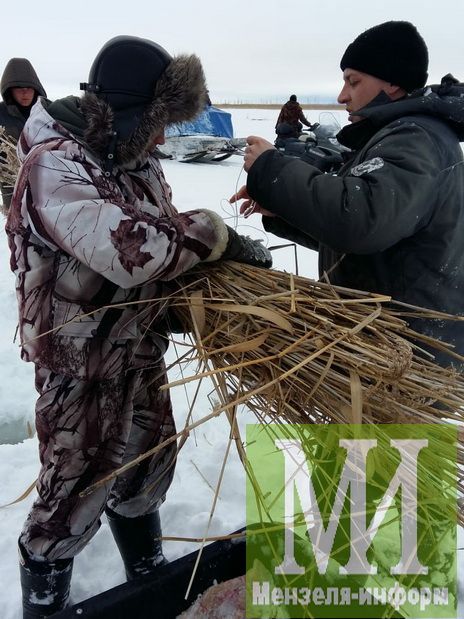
{"x":368,"y":166}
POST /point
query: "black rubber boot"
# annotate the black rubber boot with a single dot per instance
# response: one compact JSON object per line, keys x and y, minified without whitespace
{"x":138,"y":543}
{"x":45,"y":585}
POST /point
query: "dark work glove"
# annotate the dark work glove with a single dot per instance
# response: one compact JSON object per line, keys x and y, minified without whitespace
{"x":243,"y":249}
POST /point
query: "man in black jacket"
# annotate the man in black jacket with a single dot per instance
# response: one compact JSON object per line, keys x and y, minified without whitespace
{"x":391,"y":220}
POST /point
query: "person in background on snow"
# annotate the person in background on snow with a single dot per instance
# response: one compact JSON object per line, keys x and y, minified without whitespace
{"x":20,"y":87}
{"x":291,"y":119}
{"x":391,"y":220}
{"x":92,"y":231}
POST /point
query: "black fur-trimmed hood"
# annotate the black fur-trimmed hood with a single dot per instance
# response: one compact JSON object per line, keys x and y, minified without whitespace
{"x":180,"y":94}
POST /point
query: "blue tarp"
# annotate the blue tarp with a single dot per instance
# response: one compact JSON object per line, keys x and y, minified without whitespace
{"x":212,"y":121}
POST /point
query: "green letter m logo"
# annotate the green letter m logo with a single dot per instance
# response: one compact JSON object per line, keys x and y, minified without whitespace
{"x":351,"y":521}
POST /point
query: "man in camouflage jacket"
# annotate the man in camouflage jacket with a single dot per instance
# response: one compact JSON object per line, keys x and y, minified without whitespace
{"x":93,"y":231}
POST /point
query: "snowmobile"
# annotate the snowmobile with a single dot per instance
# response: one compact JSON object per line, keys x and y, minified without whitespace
{"x":317,"y":146}
{"x":208,"y":138}
{"x":201,"y":148}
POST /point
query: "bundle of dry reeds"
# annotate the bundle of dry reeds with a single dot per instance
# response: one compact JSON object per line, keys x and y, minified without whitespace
{"x":297,"y":351}
{"x":300,"y":351}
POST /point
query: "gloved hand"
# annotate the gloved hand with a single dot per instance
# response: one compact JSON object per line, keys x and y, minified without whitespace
{"x":233,"y":246}
{"x":249,"y":251}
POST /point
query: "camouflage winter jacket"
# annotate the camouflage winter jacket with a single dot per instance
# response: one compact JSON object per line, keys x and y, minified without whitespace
{"x":81,"y":241}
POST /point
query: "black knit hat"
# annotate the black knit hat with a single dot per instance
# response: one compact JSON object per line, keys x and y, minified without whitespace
{"x":135,"y":89}
{"x":393,"y":51}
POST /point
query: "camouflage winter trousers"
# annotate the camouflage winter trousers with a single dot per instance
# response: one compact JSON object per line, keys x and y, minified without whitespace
{"x":87,"y":430}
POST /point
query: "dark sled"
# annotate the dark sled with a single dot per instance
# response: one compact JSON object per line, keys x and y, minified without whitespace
{"x":163,"y":595}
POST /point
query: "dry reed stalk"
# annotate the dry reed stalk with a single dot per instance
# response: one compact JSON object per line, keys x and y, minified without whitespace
{"x":9,"y":163}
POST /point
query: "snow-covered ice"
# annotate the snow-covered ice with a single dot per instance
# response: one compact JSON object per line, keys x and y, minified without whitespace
{"x":187,"y":508}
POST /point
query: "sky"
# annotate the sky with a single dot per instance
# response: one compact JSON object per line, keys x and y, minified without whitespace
{"x":252,"y":50}
{"x":186,"y":511}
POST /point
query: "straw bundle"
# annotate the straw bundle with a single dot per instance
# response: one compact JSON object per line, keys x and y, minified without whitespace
{"x":300,"y":351}
{"x":297,"y":351}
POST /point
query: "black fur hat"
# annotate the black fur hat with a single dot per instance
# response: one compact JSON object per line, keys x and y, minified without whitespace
{"x":135,"y":89}
{"x":393,"y":51}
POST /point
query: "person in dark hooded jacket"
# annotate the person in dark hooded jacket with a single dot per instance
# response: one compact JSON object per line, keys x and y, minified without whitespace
{"x":95,"y":241}
{"x":20,"y":87}
{"x":391,"y":220}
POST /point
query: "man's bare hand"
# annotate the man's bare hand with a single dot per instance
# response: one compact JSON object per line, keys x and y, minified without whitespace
{"x":248,"y":207}
{"x":242,"y":194}
{"x":256,"y":146}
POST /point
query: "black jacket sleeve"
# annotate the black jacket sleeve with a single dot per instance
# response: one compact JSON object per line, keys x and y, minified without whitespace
{"x":385,"y":196}
{"x":281,"y":228}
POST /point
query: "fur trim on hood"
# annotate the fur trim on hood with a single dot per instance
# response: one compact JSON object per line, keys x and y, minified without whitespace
{"x":180,"y":94}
